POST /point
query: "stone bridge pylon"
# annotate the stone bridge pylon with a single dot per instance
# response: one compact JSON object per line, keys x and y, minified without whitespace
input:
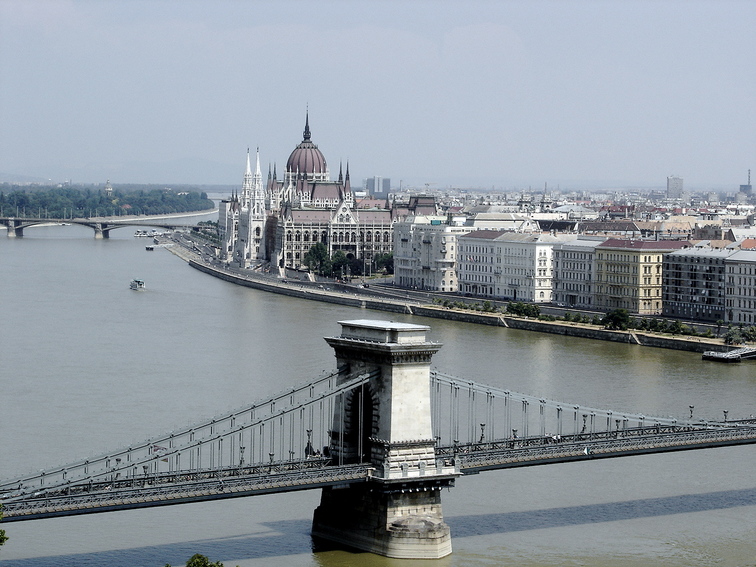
{"x":386,"y":422}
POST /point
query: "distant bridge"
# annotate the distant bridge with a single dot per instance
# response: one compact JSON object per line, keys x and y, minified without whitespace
{"x":102,"y":225}
{"x":381,"y":433}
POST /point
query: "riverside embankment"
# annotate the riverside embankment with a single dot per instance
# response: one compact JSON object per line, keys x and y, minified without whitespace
{"x":362,"y":300}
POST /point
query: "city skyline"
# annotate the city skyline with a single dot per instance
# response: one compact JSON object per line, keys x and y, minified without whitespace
{"x":484,"y":94}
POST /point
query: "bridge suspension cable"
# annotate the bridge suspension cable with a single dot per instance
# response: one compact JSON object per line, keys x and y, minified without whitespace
{"x":477,"y":413}
{"x":291,"y":427}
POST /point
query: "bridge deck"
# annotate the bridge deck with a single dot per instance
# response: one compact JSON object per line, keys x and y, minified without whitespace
{"x":166,"y":490}
{"x":177,"y":488}
{"x":539,"y":450}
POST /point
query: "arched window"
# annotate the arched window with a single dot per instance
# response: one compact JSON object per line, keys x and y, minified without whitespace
{"x":298,"y":236}
{"x":386,"y":237}
{"x":288,"y":236}
{"x":306,"y":236}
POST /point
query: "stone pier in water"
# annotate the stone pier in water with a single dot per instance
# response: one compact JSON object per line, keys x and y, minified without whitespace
{"x":387,"y":422}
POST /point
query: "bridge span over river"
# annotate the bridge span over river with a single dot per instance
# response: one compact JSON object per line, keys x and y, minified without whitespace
{"x":382,"y":435}
{"x":103,"y":225}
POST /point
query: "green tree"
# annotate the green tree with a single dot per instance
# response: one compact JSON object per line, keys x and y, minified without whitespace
{"x":356,"y":266}
{"x":720,"y":322}
{"x":3,"y":537}
{"x":749,"y":333}
{"x":523,"y":309}
{"x":339,"y":263}
{"x":733,"y":336}
{"x":676,"y":328}
{"x":199,"y":560}
{"x":385,"y":262}
{"x":617,"y":320}
{"x":317,"y":259}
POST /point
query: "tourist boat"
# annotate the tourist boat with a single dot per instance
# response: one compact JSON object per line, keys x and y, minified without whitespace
{"x":137,"y":285}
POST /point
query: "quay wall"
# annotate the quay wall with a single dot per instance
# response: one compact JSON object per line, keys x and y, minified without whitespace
{"x":691,"y":344}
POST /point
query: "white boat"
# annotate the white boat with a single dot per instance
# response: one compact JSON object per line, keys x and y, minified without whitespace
{"x":137,"y":285}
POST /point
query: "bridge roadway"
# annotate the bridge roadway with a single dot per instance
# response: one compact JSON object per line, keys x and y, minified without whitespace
{"x":285,"y":476}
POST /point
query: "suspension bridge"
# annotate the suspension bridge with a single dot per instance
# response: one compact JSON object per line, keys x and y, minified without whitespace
{"x":381,"y":436}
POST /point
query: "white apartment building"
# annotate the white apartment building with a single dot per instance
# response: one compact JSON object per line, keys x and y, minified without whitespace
{"x":741,"y":287}
{"x":506,"y":265}
{"x":425,"y":255}
{"x":425,"y":252}
{"x":573,"y":266}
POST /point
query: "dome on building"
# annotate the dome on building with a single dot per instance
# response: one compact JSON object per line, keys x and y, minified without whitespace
{"x":306,"y":157}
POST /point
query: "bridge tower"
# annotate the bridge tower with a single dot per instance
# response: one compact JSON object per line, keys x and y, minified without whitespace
{"x":387,"y":423}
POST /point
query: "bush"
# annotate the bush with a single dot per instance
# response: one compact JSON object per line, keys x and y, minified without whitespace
{"x":523,"y":309}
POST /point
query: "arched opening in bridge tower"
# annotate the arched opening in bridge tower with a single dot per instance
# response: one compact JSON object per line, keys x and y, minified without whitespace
{"x":360,"y":426}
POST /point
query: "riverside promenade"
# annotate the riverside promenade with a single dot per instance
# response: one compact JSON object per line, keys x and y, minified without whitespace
{"x":363,"y":299}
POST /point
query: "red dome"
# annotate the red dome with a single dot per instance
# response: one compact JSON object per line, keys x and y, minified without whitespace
{"x":306,"y":157}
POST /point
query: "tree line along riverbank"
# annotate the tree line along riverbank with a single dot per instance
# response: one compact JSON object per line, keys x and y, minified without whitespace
{"x":80,"y":201}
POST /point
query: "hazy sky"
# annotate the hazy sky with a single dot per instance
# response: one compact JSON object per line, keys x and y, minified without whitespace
{"x":492,"y":94}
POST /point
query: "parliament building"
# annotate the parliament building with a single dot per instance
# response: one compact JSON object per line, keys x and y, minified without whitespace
{"x":276,"y":223}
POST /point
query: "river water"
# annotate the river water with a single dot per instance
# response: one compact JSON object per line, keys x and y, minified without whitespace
{"x":86,"y":366}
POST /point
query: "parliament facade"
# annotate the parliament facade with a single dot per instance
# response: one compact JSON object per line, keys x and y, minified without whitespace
{"x":278,"y":222}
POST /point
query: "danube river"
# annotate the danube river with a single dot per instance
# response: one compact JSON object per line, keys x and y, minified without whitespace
{"x":86,"y":366}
